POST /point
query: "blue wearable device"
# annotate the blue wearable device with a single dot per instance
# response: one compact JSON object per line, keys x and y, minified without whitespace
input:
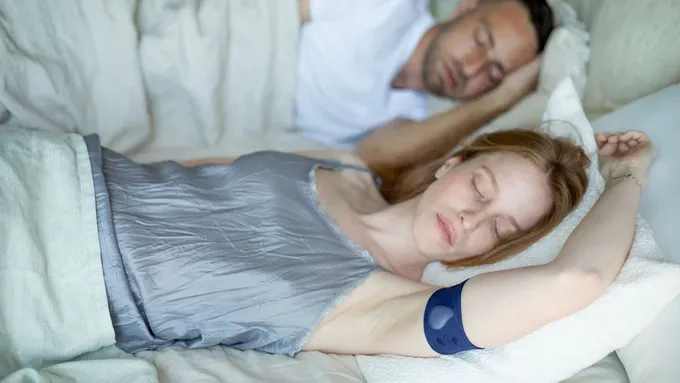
{"x":443,"y":322}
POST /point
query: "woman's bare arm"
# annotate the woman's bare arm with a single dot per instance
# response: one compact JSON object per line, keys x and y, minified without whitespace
{"x":500,"y":307}
{"x":345,"y":157}
{"x":193,"y":163}
{"x":504,"y":306}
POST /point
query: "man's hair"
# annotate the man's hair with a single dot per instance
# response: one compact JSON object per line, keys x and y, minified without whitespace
{"x":542,"y":19}
{"x":541,"y":16}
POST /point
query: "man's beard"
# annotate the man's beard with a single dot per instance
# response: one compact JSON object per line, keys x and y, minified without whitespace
{"x":431,"y":79}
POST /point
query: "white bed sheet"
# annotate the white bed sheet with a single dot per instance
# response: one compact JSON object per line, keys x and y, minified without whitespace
{"x":156,"y":79}
{"x":222,"y":364}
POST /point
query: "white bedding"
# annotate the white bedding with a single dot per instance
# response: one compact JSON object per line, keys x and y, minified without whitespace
{"x":53,"y":306}
{"x":157,"y":79}
{"x":222,"y":364}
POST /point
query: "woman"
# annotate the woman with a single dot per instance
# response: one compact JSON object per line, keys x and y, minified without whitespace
{"x":281,"y":253}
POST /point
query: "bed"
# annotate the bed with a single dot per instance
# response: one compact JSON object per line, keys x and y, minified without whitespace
{"x":142,"y":104}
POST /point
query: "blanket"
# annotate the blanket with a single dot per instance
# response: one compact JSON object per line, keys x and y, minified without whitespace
{"x":54,"y":315}
{"x":156,"y":79}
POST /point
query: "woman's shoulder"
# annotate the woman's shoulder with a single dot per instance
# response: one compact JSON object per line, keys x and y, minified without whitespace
{"x":344,"y":157}
{"x":357,"y":174}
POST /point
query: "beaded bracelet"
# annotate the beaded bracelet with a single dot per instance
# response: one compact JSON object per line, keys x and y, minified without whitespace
{"x":628,"y":175}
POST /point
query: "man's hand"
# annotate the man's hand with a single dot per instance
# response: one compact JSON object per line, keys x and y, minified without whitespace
{"x":402,"y":144}
{"x":517,"y":85}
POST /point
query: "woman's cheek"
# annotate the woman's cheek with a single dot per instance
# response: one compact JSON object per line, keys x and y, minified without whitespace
{"x":479,"y":243}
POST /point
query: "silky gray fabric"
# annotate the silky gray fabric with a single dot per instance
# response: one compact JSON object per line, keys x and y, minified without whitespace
{"x":240,"y":255}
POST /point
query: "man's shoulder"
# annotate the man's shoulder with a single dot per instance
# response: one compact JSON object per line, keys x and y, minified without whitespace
{"x":330,"y":10}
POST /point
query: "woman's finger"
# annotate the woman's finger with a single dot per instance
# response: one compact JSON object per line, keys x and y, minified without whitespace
{"x":608,"y":149}
{"x":632,"y":135}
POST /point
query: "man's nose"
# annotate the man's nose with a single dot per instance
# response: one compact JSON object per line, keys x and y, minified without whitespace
{"x":474,"y":62}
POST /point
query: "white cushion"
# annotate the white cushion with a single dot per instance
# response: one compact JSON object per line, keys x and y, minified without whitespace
{"x":652,"y":356}
{"x":607,"y":370}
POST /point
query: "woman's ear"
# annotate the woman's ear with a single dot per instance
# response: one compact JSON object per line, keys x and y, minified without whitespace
{"x":462,"y":7}
{"x":448,"y":165}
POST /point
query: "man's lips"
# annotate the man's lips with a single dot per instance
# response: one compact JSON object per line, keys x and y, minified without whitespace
{"x":449,"y":78}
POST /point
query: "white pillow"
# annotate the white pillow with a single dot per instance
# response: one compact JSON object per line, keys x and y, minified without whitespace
{"x":607,"y":370}
{"x":652,"y":355}
{"x":564,"y":347}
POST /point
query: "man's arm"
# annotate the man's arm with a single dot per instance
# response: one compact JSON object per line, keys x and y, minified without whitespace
{"x":404,"y":143}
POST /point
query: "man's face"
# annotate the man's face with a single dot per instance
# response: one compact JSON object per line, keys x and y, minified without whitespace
{"x":473,"y":53}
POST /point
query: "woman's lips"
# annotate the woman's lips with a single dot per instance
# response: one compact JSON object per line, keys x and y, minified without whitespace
{"x":446,"y":230}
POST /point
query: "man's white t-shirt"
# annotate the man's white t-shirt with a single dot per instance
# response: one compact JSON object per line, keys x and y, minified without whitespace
{"x":349,"y":54}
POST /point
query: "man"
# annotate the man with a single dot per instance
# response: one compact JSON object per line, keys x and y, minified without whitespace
{"x":168,"y":79}
{"x":365,"y":68}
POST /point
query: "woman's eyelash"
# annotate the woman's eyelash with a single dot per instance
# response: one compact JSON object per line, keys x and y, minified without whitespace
{"x":496,"y":232}
{"x":494,"y":227}
{"x":479,"y":193}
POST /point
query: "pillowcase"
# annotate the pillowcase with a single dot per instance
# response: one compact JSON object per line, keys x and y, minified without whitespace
{"x":564,"y":347}
{"x":652,"y":355}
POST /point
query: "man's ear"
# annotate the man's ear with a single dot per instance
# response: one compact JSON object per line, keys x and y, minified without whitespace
{"x":448,"y":165}
{"x":462,"y":7}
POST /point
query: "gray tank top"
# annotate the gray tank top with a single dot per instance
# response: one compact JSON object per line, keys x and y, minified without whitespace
{"x":241,"y":255}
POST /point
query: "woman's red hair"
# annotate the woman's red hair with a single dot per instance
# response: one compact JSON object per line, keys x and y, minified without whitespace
{"x":564,"y":163}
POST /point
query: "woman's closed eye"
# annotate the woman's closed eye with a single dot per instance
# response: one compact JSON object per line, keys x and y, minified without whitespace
{"x":477,"y":189}
{"x":495,"y":229}
{"x":495,"y":224}
{"x":482,"y":189}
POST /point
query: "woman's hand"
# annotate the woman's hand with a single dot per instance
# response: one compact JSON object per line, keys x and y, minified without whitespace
{"x":626,"y":152}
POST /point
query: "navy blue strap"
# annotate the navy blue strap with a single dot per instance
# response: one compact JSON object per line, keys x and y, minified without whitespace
{"x":443,"y":322}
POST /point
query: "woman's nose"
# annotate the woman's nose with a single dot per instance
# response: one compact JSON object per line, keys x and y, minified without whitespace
{"x":469,"y":220}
